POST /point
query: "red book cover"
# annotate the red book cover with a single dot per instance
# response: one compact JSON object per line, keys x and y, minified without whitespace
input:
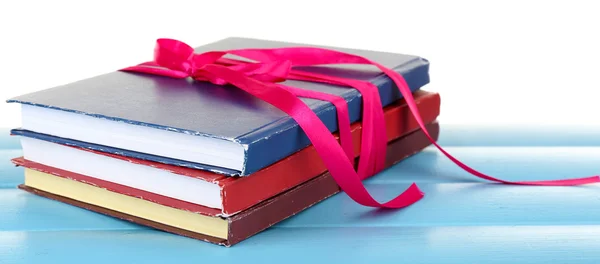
{"x":240,"y":193}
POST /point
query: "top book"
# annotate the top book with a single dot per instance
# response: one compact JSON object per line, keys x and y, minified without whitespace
{"x":198,"y":124}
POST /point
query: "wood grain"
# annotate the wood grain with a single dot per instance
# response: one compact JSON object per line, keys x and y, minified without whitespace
{"x":460,"y":220}
{"x":415,"y":245}
{"x":7,"y":141}
{"x":10,"y":175}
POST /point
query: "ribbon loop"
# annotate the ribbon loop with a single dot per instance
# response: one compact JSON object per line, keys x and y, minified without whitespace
{"x":174,"y":55}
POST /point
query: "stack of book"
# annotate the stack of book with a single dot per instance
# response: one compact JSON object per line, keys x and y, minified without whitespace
{"x":197,"y":159}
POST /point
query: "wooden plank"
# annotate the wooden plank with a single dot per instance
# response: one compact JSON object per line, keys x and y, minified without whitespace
{"x":459,"y":220}
{"x":462,"y":204}
{"x":415,"y":245}
{"x":509,"y":163}
{"x":21,"y":211}
{"x":519,"y":135}
{"x":10,"y":175}
{"x":7,"y":141}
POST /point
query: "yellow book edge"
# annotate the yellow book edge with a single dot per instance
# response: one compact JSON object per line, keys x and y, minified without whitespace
{"x":207,"y":225}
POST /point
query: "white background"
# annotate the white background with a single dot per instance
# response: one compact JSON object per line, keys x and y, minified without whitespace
{"x":502,"y":62}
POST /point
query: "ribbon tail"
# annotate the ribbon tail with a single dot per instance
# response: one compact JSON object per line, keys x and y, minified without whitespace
{"x":314,"y":56}
{"x":564,"y":182}
{"x":403,"y":87}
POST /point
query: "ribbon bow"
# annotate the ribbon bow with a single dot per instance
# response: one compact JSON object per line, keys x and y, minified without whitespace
{"x":262,"y":79}
{"x":176,"y":59}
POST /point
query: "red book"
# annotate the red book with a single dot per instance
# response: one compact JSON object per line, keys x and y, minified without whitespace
{"x":227,"y":195}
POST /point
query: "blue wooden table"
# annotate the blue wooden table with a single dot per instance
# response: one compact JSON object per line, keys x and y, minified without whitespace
{"x":460,"y":220}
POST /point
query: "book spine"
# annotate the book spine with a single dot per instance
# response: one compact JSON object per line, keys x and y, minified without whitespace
{"x":280,"y":139}
{"x":244,"y":192}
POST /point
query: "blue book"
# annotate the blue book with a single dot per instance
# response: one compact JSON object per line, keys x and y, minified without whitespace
{"x":197,"y":124}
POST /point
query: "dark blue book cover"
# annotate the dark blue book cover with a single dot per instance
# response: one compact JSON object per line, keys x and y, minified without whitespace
{"x":202,"y":109}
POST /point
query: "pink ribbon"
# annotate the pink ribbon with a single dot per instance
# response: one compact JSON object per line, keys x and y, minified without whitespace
{"x":262,"y":79}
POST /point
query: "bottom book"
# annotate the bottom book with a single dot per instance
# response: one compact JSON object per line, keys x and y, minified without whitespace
{"x":222,"y":231}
